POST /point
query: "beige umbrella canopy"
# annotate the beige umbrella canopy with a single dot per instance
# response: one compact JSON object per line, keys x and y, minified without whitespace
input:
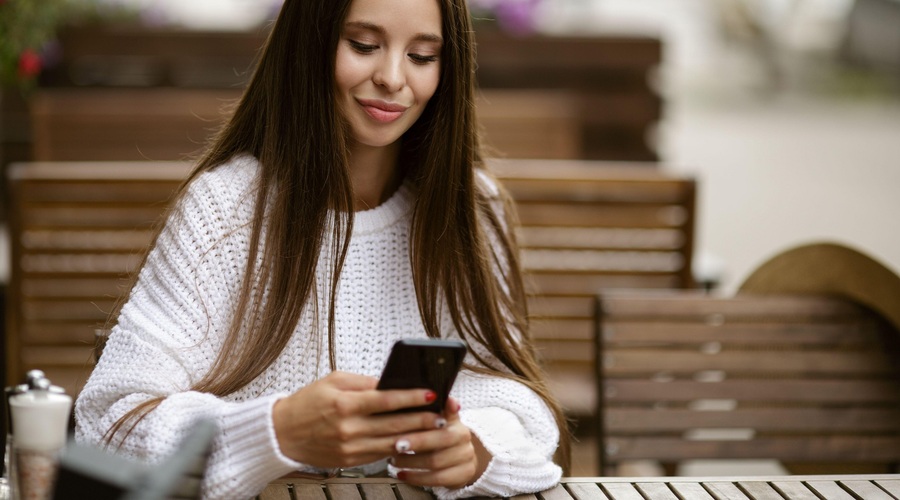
{"x":830,"y":268}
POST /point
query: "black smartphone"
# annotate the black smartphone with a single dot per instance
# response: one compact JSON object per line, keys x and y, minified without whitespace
{"x":424,"y":364}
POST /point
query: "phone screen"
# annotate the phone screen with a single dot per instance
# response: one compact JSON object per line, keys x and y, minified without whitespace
{"x":424,"y":364}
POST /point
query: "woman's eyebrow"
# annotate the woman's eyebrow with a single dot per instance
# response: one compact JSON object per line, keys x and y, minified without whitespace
{"x":425,"y":37}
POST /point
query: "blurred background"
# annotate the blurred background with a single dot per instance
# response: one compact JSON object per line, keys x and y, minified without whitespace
{"x":785,"y":112}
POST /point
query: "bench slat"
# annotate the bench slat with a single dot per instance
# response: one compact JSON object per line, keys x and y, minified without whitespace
{"x":799,"y":378}
{"x":788,"y":448}
{"x":765,"y":363}
{"x":801,"y":420}
{"x":800,"y":391}
{"x":791,"y":331}
{"x":698,"y":307}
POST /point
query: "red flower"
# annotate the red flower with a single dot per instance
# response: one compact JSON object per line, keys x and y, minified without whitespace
{"x":29,"y":63}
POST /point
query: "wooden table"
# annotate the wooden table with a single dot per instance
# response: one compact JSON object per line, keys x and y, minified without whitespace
{"x":842,"y":487}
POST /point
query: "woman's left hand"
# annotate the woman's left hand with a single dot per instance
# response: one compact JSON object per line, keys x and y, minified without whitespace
{"x":451,"y":457}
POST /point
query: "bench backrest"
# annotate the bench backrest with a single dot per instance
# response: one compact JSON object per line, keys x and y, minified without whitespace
{"x":170,"y":123}
{"x":588,"y":226}
{"x":803,"y":379}
{"x":79,"y":228}
{"x":611,"y":74}
{"x":77,"y":231}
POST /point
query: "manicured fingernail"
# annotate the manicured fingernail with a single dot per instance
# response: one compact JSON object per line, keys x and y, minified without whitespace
{"x":430,"y":396}
{"x":440,"y":423}
{"x":402,"y":446}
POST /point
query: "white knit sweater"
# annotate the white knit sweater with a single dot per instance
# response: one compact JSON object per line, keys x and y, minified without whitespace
{"x":170,"y":329}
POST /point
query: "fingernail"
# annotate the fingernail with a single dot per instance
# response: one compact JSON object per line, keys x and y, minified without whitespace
{"x":441,"y":423}
{"x":402,"y":446}
{"x":430,"y":396}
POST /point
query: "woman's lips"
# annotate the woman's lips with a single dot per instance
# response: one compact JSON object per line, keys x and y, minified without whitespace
{"x":384,"y":112}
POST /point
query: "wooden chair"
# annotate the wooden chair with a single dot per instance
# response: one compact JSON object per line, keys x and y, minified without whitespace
{"x":77,"y":231}
{"x":587,"y":226}
{"x":812,"y":381}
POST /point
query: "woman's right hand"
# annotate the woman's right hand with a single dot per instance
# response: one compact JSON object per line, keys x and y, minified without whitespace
{"x":333,"y":422}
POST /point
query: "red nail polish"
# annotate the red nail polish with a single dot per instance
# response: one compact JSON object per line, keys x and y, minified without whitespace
{"x":430,"y":396}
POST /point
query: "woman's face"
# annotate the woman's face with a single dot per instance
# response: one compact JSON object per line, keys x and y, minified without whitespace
{"x":387,"y":67}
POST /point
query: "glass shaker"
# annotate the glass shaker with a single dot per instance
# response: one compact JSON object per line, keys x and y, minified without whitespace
{"x":39,"y":414}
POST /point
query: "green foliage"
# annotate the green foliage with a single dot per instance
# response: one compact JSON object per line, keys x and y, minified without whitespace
{"x":25,"y":27}
{"x":28,"y":26}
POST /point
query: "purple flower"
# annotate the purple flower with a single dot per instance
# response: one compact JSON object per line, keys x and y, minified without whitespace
{"x":514,"y":16}
{"x":517,"y":17}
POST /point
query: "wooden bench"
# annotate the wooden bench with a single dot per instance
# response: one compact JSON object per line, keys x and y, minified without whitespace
{"x":78,"y":228}
{"x":812,"y":381}
{"x":77,"y":231}
{"x":589,"y":226}
{"x":610,"y":75}
{"x":170,"y":123}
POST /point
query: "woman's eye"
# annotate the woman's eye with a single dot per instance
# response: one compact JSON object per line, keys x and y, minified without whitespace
{"x":420,"y":59}
{"x":362,"y":48}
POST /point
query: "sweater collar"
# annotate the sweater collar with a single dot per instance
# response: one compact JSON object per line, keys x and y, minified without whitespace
{"x":386,"y":214}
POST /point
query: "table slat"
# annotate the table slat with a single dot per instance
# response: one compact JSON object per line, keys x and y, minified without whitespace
{"x":311,"y":491}
{"x":867,"y":490}
{"x":692,"y":491}
{"x":556,"y":493}
{"x":891,"y":486}
{"x":277,"y":492}
{"x":378,"y":491}
{"x":622,"y":491}
{"x":344,"y":492}
{"x":829,"y":490}
{"x":586,"y":491}
{"x":725,"y":491}
{"x":408,"y":492}
{"x":794,"y":490}
{"x":656,"y":491}
{"x":759,"y":490}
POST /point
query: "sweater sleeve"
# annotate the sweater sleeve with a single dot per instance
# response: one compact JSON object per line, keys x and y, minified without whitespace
{"x":166,"y":338}
{"x":517,"y":429}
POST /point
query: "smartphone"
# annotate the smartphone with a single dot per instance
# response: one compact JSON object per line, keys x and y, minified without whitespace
{"x":423,"y":364}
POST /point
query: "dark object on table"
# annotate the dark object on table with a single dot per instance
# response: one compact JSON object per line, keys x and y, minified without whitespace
{"x":87,"y":472}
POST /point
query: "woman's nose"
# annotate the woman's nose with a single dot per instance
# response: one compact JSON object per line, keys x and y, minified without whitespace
{"x":389,"y":73}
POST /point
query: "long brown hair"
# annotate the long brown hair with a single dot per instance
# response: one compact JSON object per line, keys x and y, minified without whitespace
{"x":288,"y":119}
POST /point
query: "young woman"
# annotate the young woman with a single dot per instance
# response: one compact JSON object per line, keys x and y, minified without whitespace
{"x":343,"y":207}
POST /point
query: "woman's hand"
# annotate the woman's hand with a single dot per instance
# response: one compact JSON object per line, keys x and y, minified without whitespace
{"x":450,"y":456}
{"x":333,"y":422}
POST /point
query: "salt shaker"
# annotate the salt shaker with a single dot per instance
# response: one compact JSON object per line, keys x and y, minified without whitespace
{"x":40,"y":416}
{"x":8,"y":472}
